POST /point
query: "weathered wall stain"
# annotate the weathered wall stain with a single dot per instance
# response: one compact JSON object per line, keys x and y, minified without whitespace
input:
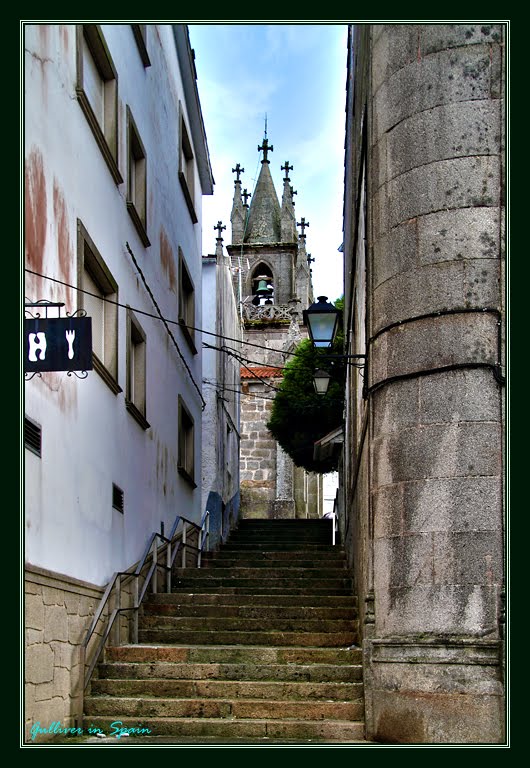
{"x":35,"y":219}
{"x":64,"y":249}
{"x":167,"y":260}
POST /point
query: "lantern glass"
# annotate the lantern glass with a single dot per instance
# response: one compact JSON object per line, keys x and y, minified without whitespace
{"x":321,"y":381}
{"x":322,"y":319}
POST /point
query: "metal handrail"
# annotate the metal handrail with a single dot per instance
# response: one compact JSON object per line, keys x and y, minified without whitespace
{"x":152,"y":551}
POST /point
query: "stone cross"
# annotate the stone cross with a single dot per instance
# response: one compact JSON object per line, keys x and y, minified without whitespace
{"x":265,"y":147}
{"x":302,"y":224}
{"x":286,"y":168}
{"x":245,"y":196}
{"x":219,"y":227}
{"x":309,"y":259}
{"x":237,"y":170}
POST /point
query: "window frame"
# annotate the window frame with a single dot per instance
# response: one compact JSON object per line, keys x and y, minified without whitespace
{"x":136,"y":337}
{"x":106,"y":135}
{"x":186,"y":314}
{"x":185,"y":451}
{"x":136,"y":199}
{"x":140,"y":35}
{"x":186,"y":172}
{"x":101,"y":275}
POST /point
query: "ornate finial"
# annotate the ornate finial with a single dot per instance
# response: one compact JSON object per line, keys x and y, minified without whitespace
{"x":265,"y":147}
{"x":245,"y":195}
{"x":237,"y":170}
{"x":219,"y":227}
{"x":286,"y":168}
{"x":302,"y":224}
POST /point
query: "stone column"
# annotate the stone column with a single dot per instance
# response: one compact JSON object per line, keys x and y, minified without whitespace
{"x":435,"y":381}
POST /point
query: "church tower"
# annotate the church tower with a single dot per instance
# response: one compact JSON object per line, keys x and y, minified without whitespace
{"x":272,"y":278}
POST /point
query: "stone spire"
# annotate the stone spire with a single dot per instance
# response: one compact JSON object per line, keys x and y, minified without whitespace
{"x":288,"y":220}
{"x":239,"y":210}
{"x":264,"y":216}
{"x":219,"y":239}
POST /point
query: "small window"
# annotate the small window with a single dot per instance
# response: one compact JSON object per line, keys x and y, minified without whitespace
{"x":136,"y":179}
{"x":187,"y":169}
{"x":32,"y":436}
{"x":97,"y":92}
{"x":117,"y":498}
{"x":186,"y":444}
{"x":135,"y":400}
{"x":186,"y":304}
{"x":99,"y":297}
{"x":140,"y":35}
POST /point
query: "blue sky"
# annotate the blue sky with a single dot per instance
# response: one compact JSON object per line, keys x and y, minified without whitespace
{"x":296,"y":75}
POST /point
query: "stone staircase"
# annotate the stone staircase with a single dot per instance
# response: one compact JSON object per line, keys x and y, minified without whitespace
{"x":257,"y":646}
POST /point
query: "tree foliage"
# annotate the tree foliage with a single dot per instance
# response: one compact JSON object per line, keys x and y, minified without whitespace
{"x":300,"y":416}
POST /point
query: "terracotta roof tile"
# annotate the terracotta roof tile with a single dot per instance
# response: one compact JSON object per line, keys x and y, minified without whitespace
{"x":261,"y":372}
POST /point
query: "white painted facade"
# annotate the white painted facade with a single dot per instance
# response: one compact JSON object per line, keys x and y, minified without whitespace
{"x":221,"y":385}
{"x":90,"y":440}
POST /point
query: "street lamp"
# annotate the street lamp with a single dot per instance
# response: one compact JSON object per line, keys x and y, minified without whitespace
{"x":322,"y":320}
{"x":321,"y":381}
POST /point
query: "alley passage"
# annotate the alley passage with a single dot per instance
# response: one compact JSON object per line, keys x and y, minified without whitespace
{"x":258,"y":645}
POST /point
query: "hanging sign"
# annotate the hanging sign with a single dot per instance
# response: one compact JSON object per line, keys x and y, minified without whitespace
{"x":57,"y":344}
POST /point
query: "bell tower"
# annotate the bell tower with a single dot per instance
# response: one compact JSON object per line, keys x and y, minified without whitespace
{"x":272,"y":279}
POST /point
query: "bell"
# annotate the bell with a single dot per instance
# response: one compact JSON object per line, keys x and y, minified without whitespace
{"x":262,"y":287}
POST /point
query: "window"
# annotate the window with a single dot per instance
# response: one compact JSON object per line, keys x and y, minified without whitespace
{"x":186,"y":304}
{"x":97,"y":92}
{"x":140,"y":35}
{"x":187,"y":168}
{"x":99,"y":296}
{"x":32,"y":436}
{"x":186,"y":444}
{"x":117,"y":498}
{"x":136,"y":179}
{"x":135,"y":399}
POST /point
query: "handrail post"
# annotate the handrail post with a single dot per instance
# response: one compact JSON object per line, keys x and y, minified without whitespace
{"x":135,"y":612}
{"x":154,"y":579}
{"x":183,"y":544}
{"x":168,"y":570}
{"x":116,"y":629}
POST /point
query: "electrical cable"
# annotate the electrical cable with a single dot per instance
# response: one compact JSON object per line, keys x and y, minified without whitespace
{"x":156,"y":317}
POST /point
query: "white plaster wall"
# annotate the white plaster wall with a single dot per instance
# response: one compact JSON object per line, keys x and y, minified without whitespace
{"x":221,"y":375}
{"x":89,"y":440}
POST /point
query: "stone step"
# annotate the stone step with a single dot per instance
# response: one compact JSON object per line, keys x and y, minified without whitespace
{"x":259,"y":589}
{"x":144,"y":706}
{"x":223,"y":689}
{"x":216,"y":728}
{"x":220,"y":637}
{"x":203,"y":580}
{"x":238,"y":654}
{"x":263,"y":555}
{"x":276,"y":599}
{"x":248,"y":611}
{"x":289,"y":573}
{"x":314,"y":673}
{"x":258,"y":564}
{"x":237,"y":624}
{"x":279,"y":545}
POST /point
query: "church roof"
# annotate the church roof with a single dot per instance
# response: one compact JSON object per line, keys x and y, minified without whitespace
{"x":261,"y":372}
{"x":264,"y":216}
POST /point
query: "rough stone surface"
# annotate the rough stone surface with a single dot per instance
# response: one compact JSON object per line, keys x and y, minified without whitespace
{"x":431,"y":343}
{"x":437,"y":718}
{"x":423,"y":505}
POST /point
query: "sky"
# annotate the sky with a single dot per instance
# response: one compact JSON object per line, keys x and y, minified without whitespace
{"x":294,"y":76}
